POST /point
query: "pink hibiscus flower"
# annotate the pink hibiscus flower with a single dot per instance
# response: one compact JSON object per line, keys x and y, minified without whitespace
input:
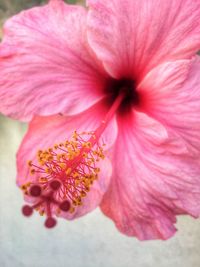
{"x":123,"y":73}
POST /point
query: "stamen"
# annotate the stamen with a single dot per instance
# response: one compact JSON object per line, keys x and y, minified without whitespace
{"x":64,"y":173}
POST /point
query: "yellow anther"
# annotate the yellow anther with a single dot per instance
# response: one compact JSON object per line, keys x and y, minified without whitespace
{"x":29,"y":163}
{"x":49,"y":158}
{"x":87,"y":145}
{"x":55,"y":146}
{"x":48,"y":170}
{"x":23,"y":187}
{"x":87,"y":188}
{"x":41,"y":212}
{"x":97,"y":170}
{"x":68,"y":171}
{"x":75,"y":135}
{"x":76,"y":175}
{"x":59,"y":156}
{"x":87,"y":182}
{"x":83,"y":194}
{"x":71,"y":156}
{"x":43,"y":180}
{"x":62,"y":165}
{"x":72,"y":209}
{"x":77,"y":153}
{"x":79,"y":203}
{"x":63,"y":155}
{"x":77,"y":182}
{"x":84,"y":155}
{"x":75,"y":203}
{"x":41,"y":162}
{"x":32,"y":171}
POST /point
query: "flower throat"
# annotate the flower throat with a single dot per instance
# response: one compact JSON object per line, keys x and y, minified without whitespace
{"x":65,"y":172}
{"x":124,"y":86}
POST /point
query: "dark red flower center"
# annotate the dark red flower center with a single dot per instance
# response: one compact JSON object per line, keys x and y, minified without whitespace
{"x":126,"y":86}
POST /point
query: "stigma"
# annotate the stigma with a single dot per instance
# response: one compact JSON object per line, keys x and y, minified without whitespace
{"x":63,"y":176}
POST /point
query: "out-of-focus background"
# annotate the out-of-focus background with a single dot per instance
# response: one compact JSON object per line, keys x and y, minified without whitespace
{"x":92,"y":241}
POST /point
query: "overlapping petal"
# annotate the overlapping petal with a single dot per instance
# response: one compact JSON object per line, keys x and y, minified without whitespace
{"x":131,"y":37}
{"x":46,"y":66}
{"x":45,"y":132}
{"x":150,"y":183}
{"x":171,"y":94}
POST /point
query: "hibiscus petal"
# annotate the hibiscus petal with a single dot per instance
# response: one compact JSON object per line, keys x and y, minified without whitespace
{"x":45,"y":63}
{"x":134,"y":36}
{"x":171,"y":94}
{"x":45,"y":132}
{"x":150,"y":184}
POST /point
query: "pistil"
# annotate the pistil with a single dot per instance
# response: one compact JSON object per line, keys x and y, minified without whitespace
{"x":65,"y":173}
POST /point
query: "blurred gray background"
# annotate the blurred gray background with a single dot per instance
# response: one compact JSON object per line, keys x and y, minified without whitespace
{"x":92,"y":241}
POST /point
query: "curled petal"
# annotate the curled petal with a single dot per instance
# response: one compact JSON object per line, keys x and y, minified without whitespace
{"x":171,"y":95}
{"x":46,"y":66}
